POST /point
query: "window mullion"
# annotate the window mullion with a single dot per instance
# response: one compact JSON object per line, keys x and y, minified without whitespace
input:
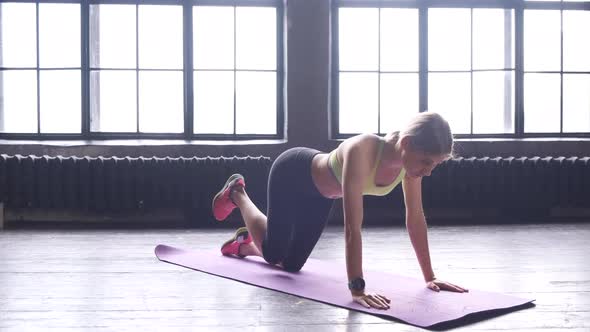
{"x":38,"y":70}
{"x":423,"y":58}
{"x":561,"y":73}
{"x":235,"y":67}
{"x":379,"y":71}
{"x":188,"y":69}
{"x":508,"y":78}
{"x":335,"y":106}
{"x":85,"y":71}
{"x":471,"y":71}
{"x":137,"y":68}
{"x":519,"y":70}
{"x":279,"y":71}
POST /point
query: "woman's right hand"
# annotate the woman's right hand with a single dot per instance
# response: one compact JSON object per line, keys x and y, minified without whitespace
{"x":376,"y":301}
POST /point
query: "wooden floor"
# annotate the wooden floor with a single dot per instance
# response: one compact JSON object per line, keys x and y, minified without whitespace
{"x":110,"y":280}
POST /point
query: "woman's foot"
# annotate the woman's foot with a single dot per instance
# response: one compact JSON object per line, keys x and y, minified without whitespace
{"x":232,"y":246}
{"x":223,"y":204}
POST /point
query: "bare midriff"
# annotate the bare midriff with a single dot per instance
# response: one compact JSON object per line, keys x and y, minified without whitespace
{"x":323,"y":178}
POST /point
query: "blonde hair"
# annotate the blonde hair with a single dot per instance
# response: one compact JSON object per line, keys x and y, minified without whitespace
{"x":429,"y":133}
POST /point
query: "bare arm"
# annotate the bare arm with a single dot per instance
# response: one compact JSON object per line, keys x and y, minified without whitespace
{"x":416,"y":224}
{"x":356,"y":167}
{"x":358,"y":155}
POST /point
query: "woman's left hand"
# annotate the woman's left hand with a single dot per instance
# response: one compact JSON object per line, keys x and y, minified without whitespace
{"x":438,"y":285}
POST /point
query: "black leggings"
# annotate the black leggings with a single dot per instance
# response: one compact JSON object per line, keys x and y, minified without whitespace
{"x":297,"y":213}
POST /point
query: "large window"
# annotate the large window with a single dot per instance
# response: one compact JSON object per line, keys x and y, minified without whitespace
{"x":556,"y":71}
{"x":41,"y":90}
{"x":471,"y":68}
{"x":492,"y":68}
{"x":178,"y":69}
{"x":247,"y":39}
{"x":136,"y":69}
{"x":378,"y":67}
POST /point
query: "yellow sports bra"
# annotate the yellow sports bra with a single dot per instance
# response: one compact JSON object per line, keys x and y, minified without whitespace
{"x":370,"y":188}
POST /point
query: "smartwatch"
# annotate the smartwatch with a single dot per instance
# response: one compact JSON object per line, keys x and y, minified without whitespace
{"x":357,"y":284}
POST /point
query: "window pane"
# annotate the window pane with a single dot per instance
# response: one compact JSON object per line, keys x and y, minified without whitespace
{"x":60,"y":101}
{"x":399,"y":100}
{"x":18,"y":37}
{"x":161,"y":105}
{"x":113,"y":106}
{"x":160,"y":37}
{"x":59,"y":35}
{"x":358,"y":38}
{"x":399,"y":39}
{"x":450,"y":95}
{"x":214,"y":102}
{"x":213,"y":33}
{"x":493,"y":39}
{"x":493,"y":102}
{"x":542,"y":40}
{"x":541,"y":103}
{"x":18,"y":101}
{"x":358,"y":103}
{"x":449,"y":39}
{"x":576,"y":103}
{"x":256,"y":103}
{"x":576,"y":43}
{"x":256,"y":38}
{"x":112,"y":36}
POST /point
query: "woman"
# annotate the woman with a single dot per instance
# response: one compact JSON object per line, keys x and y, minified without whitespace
{"x":304,"y":182}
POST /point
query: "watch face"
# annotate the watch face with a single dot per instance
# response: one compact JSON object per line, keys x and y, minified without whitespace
{"x":357,"y":284}
{"x":360,"y":283}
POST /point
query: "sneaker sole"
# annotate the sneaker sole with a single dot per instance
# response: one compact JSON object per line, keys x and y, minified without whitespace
{"x":225,"y":186}
{"x":241,"y":232}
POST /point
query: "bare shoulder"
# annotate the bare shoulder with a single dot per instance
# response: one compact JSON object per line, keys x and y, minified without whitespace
{"x":362,"y":142}
{"x":411,"y":182}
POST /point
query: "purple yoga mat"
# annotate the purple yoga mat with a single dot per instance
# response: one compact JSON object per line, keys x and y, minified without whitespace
{"x":326,"y":282}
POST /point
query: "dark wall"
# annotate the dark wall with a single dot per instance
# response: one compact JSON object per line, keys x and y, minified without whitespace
{"x":307,"y":84}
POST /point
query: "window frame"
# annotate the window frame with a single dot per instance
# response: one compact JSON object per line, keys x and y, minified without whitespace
{"x":519,"y":6}
{"x":187,"y":73}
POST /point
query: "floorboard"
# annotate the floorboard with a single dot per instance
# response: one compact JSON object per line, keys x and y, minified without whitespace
{"x":110,"y":280}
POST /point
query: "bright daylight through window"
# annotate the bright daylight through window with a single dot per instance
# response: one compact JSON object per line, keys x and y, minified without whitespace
{"x":143,"y":74}
{"x":491,"y":68}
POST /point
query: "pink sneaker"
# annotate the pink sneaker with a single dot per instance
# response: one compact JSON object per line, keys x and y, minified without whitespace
{"x":222,"y":204}
{"x":232,"y":246}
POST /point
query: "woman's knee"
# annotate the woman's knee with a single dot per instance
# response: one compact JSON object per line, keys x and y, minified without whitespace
{"x":293,"y":266}
{"x":272,"y":255}
{"x":288,"y":262}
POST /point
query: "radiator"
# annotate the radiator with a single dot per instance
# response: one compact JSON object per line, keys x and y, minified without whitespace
{"x":112,"y":184}
{"x":129,"y":184}
{"x":514,"y":184}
